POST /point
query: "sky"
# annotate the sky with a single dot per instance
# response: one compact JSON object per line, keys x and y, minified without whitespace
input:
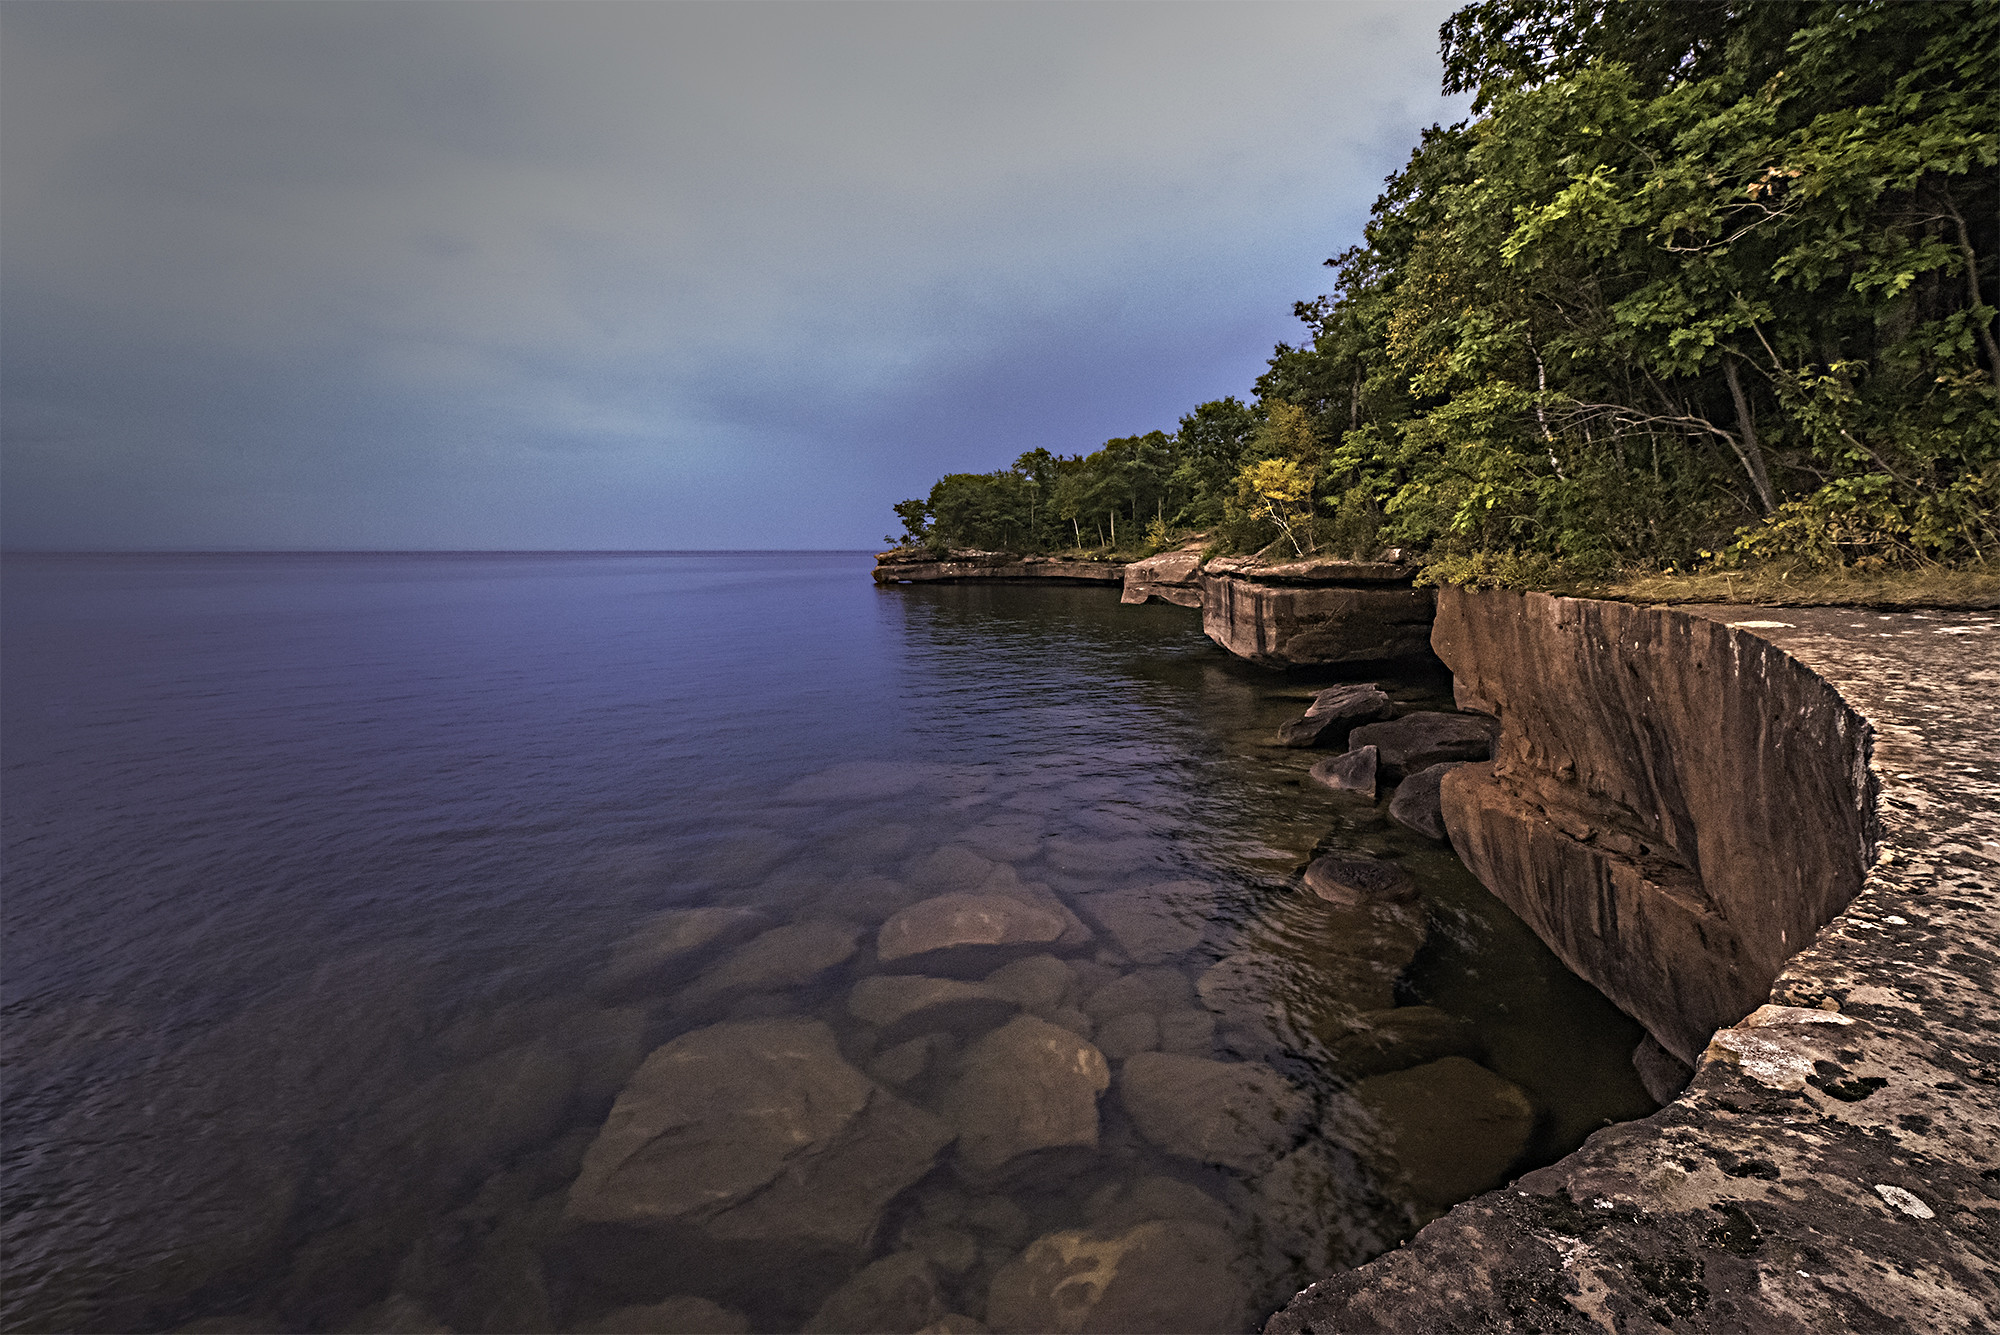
{"x":576,"y":275}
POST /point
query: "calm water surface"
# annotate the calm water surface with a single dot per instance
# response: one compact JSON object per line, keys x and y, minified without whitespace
{"x":345,"y":895}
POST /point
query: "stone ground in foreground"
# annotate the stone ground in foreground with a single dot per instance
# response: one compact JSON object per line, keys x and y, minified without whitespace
{"x":1835,"y":1165}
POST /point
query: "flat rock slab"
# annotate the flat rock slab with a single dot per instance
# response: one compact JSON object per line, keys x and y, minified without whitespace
{"x":1352,"y":880}
{"x":1241,"y":1115}
{"x":1418,"y":741}
{"x":1354,"y":772}
{"x":1334,"y":713}
{"x":1025,"y":1087}
{"x":954,"y":921}
{"x":1418,"y":806}
{"x":1163,"y":1275}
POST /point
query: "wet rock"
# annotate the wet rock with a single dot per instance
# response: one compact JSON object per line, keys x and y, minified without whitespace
{"x":1418,"y":741}
{"x":1451,"y":1126}
{"x":1663,"y":1074}
{"x":672,"y":939}
{"x":1317,"y":1204}
{"x":751,"y":1150}
{"x":1189,"y":1031}
{"x":961,"y":921}
{"x":903,"y":1063}
{"x":1351,"y":880}
{"x":679,"y":1315}
{"x":904,"y":1004}
{"x":1026,"y":1086}
{"x":1417,"y":805}
{"x":1123,"y":1204}
{"x":1005,"y":838}
{"x":952,"y":1250}
{"x":784,"y":957}
{"x":953,"y":867}
{"x":1163,"y":1275}
{"x":1241,"y":1115}
{"x":868,"y":899}
{"x":898,"y":1293}
{"x":1072,"y":1019}
{"x":1354,"y":772}
{"x":955,"y":1323}
{"x":1038,"y":983}
{"x":1142,"y":989}
{"x":1154,"y":923}
{"x":1334,"y":713}
{"x":1378,"y":1042}
{"x":1123,"y":1035}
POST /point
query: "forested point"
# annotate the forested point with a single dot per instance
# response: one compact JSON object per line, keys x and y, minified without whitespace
{"x":1697,"y":286}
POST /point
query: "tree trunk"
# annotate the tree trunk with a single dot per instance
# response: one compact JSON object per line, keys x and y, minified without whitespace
{"x":1745,"y":445}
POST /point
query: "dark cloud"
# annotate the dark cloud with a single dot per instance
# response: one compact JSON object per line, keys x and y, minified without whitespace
{"x":582,"y":275}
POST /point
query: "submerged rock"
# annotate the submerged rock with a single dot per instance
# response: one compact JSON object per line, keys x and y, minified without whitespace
{"x":1351,"y":880}
{"x":679,"y":1315}
{"x":1026,"y":1086}
{"x":784,"y":957}
{"x":1038,"y":983}
{"x":1378,"y":1042}
{"x":1334,"y":713}
{"x":1123,"y":1035}
{"x":673,"y":938}
{"x":956,"y":921}
{"x":1417,"y":805}
{"x":1418,"y":741}
{"x":1241,"y":1115}
{"x":743,"y":1148}
{"x":1154,"y":923}
{"x":1317,"y":1204}
{"x":1163,"y":1275}
{"x":904,"y":1004}
{"x":898,"y":1293}
{"x":1353,"y":772}
{"x":1451,"y":1126}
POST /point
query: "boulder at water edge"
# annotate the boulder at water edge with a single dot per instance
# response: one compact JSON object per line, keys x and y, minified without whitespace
{"x":1417,"y":805}
{"x":1351,"y":880}
{"x":1353,"y":772}
{"x":1334,"y":713}
{"x":1417,"y":741}
{"x":1452,"y":1127}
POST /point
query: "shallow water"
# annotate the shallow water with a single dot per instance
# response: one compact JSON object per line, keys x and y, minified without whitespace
{"x":344,"y":895}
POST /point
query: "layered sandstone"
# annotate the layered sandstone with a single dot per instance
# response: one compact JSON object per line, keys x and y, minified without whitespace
{"x":1315,"y":612}
{"x":917,"y":566}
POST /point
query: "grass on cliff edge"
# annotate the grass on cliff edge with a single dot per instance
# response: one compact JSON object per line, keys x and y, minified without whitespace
{"x":1889,"y":590}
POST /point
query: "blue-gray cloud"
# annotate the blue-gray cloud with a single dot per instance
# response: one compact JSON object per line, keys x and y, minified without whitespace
{"x":582,"y":275}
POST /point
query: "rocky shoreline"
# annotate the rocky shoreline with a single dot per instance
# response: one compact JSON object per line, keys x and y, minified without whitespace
{"x":1748,"y":827}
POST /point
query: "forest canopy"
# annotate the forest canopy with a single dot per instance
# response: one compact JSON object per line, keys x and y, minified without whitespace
{"x":1704,"y":283}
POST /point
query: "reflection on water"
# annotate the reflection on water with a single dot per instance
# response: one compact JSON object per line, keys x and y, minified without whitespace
{"x":711,"y":942}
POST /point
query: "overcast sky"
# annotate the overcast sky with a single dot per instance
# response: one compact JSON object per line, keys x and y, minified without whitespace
{"x":629,"y":275}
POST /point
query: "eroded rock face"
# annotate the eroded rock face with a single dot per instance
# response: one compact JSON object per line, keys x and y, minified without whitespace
{"x":1315,"y":612}
{"x":1171,"y":577}
{"x":1674,"y":806}
{"x":1025,"y":1087}
{"x":1417,"y":741}
{"x":1242,"y":1115}
{"x":1163,"y":1275}
{"x":1334,"y":713}
{"x":737,"y":1145}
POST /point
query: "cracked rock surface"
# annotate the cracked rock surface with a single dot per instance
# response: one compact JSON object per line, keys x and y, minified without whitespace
{"x":1835,"y":1164}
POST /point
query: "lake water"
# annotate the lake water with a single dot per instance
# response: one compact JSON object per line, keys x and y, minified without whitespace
{"x":345,"y":894}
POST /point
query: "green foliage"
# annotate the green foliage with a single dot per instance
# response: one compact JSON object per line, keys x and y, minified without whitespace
{"x":1706,"y":282}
